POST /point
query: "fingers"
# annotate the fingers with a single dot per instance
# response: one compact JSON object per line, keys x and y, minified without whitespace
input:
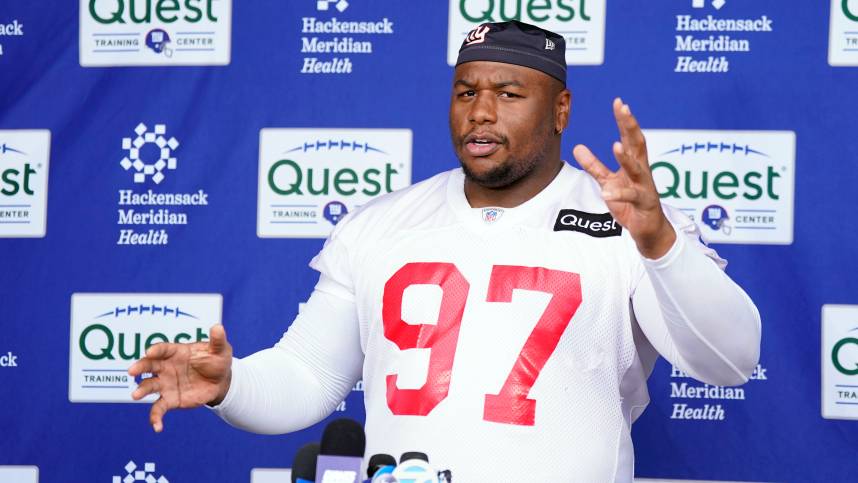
{"x":162,"y":351}
{"x":591,"y":163}
{"x":631,"y":137}
{"x":145,"y":365}
{"x":156,"y":414}
{"x":621,"y":194}
{"x":148,"y":386}
{"x":217,"y":339}
{"x":632,"y":167}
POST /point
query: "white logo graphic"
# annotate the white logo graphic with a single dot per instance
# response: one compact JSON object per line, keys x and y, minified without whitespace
{"x":24,"y":182}
{"x":331,"y":45}
{"x":133,"y":473}
{"x":549,"y":45}
{"x":581,"y":23}
{"x":164,"y":147}
{"x":124,"y":32}
{"x":708,"y":43}
{"x":111,"y":331}
{"x":840,"y":361}
{"x":340,"y":5}
{"x":310,"y":178}
{"x":843,"y":33}
{"x":737,"y":185}
{"x":19,"y":474}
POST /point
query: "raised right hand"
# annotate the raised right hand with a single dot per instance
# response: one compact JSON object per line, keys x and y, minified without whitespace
{"x":185,"y":375}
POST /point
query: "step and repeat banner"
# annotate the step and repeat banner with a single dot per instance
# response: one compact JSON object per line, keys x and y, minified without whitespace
{"x":166,"y":165}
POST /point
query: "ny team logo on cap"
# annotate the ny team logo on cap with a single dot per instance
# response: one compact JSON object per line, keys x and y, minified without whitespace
{"x":478,"y":35}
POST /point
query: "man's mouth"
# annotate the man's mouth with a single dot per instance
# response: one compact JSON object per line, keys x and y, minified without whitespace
{"x":480,"y":145}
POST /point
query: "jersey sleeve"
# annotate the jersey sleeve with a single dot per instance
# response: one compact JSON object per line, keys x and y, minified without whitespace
{"x":335,"y":263}
{"x":303,"y":378}
{"x":693,"y":313}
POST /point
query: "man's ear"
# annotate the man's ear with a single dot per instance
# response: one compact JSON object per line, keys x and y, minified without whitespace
{"x":562,"y":107}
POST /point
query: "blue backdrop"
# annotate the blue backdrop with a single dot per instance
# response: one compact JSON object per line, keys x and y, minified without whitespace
{"x":783,"y":82}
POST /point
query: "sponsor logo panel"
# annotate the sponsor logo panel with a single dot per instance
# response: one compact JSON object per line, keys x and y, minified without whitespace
{"x":164,"y":32}
{"x":332,"y":45}
{"x":737,"y":185}
{"x":843,"y":33}
{"x":840,"y":361}
{"x":24,"y":182}
{"x":270,"y":475}
{"x":110,"y":331}
{"x":580,"y":22}
{"x":709,"y":36}
{"x":145,"y":213}
{"x":310,"y":178}
{"x":19,"y":474}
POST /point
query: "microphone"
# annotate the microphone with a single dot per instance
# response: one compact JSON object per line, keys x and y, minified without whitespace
{"x":377,"y":462}
{"x":380,"y":468}
{"x":341,"y":452}
{"x":414,"y":468}
{"x":304,"y":464}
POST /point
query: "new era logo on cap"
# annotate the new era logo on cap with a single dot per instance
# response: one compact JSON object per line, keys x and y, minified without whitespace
{"x":549,"y":45}
{"x":477,"y":35}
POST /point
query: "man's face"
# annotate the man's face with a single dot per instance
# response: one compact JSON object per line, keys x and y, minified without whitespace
{"x":502,"y":119}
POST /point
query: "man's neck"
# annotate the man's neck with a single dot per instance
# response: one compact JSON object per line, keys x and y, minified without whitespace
{"x":515,"y":194}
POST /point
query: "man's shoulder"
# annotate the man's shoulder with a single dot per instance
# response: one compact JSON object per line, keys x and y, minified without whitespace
{"x":401,"y":209}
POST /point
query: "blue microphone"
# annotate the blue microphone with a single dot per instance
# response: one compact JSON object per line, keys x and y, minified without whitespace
{"x":414,"y":468}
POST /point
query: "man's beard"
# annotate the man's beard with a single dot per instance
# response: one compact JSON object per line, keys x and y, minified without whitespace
{"x":506,"y":173}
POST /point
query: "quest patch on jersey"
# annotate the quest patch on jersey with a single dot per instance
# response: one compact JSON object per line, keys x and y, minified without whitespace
{"x":599,"y":225}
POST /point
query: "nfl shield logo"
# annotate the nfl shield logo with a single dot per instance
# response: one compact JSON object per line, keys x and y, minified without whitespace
{"x":491,"y":215}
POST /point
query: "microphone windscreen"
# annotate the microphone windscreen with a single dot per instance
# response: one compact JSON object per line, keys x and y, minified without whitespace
{"x":304,"y":464}
{"x":343,"y":437}
{"x":377,"y":461}
{"x":413,"y":455}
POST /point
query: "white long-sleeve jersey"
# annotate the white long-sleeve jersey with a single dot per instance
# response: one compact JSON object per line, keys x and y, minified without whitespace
{"x":508,"y":345}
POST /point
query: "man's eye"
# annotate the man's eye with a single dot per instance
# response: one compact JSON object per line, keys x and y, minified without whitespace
{"x":467,"y":94}
{"x":508,"y":94}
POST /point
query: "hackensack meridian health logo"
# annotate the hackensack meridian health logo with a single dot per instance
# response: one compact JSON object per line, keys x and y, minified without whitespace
{"x":24,"y":182}
{"x":310,"y":178}
{"x":109,"y":331}
{"x":162,"y":32}
{"x":580,"y":22}
{"x":840,"y":361}
{"x":737,"y":185}
{"x":149,"y":156}
{"x":843,"y":33}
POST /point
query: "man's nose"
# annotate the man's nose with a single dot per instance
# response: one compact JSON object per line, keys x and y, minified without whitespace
{"x":483,"y":109}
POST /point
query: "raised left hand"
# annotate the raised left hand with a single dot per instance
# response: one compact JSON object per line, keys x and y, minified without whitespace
{"x":630,"y":192}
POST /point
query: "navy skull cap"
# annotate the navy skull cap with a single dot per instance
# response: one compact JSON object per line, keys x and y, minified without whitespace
{"x":516,"y":43}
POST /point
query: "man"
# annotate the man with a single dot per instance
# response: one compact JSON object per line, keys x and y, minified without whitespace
{"x":537,"y":296}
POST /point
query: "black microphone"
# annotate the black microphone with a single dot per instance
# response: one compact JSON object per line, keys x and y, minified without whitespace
{"x":341,"y":451}
{"x":304,"y":464}
{"x":343,"y":437}
{"x":378,"y":461}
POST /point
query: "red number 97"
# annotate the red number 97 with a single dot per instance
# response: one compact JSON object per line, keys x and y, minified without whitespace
{"x":511,"y":405}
